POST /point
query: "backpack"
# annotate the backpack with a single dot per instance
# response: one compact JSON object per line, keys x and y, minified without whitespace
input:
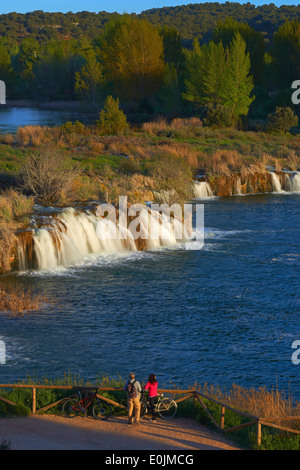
{"x":131,"y":390}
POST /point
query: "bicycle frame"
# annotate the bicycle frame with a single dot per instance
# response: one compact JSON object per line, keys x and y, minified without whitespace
{"x":162,"y":406}
{"x":82,"y":402}
{"x":160,"y":396}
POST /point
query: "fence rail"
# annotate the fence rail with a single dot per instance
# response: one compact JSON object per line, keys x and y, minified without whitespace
{"x":189,"y":394}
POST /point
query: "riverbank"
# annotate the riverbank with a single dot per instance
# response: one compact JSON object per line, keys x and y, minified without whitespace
{"x":58,"y":104}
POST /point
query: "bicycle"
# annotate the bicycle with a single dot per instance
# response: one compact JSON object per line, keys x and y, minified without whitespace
{"x":165,"y":407}
{"x":78,"y":406}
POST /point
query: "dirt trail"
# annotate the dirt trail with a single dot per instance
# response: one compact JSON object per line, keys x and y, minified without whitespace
{"x":49,"y":432}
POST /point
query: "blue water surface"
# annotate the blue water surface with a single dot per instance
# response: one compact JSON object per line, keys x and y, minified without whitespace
{"x":227,"y":313}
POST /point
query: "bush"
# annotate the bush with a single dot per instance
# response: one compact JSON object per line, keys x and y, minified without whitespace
{"x":112,"y":120}
{"x":48,"y":175}
{"x":282,"y":120}
{"x":22,"y":410}
{"x":129,"y":166}
{"x":218,"y":116}
{"x":14,"y":205}
{"x":73,"y":128}
{"x":172,"y":174}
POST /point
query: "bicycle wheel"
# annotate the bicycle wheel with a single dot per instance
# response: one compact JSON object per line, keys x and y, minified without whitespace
{"x":143,"y":409}
{"x":167,"y":408}
{"x":101,"y":409}
{"x":71,"y":408}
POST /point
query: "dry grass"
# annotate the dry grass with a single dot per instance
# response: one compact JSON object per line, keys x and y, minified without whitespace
{"x":154,"y":127}
{"x":17,"y":300}
{"x":14,"y":204}
{"x":178,"y":150}
{"x":257,"y":402}
{"x":8,"y":243}
{"x":186,"y":126}
{"x":30,"y":135}
{"x":191,"y":123}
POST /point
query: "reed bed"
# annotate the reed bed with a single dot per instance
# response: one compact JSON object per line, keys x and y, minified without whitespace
{"x":259,"y":402}
{"x":20,"y":300}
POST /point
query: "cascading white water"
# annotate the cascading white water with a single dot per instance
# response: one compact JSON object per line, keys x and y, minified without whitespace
{"x":238,"y":186}
{"x":276,"y":183}
{"x":202,"y":190}
{"x":295,"y":182}
{"x":290,"y":184}
{"x":74,"y":235}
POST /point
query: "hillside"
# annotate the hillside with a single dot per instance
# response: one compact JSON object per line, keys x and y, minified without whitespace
{"x":190,"y":20}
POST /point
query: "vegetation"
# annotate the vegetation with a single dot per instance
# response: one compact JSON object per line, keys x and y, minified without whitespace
{"x":48,"y":175}
{"x":18,"y":301}
{"x":220,"y":77}
{"x":162,"y":62}
{"x":282,"y":120}
{"x":112,"y":120}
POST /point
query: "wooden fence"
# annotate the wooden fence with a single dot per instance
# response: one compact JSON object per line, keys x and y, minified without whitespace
{"x":184,"y":395}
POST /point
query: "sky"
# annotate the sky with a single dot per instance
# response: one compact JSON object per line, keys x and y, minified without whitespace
{"x":120,"y":6}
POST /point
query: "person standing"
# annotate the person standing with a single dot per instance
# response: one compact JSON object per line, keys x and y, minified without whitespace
{"x":151,"y":386}
{"x":133,"y":389}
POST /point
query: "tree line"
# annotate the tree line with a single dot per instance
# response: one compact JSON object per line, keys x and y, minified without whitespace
{"x":233,"y":75}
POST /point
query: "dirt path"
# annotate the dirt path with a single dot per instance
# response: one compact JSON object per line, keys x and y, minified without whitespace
{"x":58,"y":433}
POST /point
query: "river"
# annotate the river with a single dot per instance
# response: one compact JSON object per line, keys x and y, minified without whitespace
{"x":221,"y":314}
{"x":13,"y":117}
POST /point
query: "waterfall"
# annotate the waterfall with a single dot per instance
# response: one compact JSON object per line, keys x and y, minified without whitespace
{"x":276,"y":183}
{"x":290,"y":182}
{"x":238,"y":186}
{"x":202,"y":190}
{"x":72,"y":236}
{"x":295,"y":182}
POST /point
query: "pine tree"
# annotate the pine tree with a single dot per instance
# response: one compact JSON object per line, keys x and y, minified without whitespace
{"x":112,"y":120}
{"x":219,"y":77}
{"x":238,"y":84}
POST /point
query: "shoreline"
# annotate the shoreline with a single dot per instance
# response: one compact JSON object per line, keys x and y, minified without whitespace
{"x":57,"y":104}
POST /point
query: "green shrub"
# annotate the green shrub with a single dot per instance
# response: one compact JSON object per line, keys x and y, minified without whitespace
{"x":112,"y":120}
{"x":218,"y":116}
{"x":73,"y":128}
{"x":22,"y":410}
{"x":129,"y":166}
{"x":282,"y":120}
{"x":3,"y":408}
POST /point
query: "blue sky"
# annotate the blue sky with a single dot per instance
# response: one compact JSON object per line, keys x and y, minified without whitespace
{"x":119,"y":6}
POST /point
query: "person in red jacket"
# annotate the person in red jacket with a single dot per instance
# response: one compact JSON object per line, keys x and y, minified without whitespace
{"x":151,"y":386}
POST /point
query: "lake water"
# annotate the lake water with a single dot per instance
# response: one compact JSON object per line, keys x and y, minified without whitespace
{"x":227,"y":313}
{"x":13,"y":117}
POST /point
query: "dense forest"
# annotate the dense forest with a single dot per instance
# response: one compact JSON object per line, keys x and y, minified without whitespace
{"x":223,"y":62}
{"x":190,"y":20}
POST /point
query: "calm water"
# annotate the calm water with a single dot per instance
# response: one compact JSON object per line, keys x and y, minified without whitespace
{"x":226,"y":313}
{"x":11,"y":117}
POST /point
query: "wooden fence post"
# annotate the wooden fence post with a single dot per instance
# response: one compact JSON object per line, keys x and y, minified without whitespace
{"x":33,"y":400}
{"x":222,"y":417}
{"x":258,"y":433}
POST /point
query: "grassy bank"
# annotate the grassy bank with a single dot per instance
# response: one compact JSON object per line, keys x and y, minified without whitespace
{"x":136,"y":163}
{"x":260,"y":402}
